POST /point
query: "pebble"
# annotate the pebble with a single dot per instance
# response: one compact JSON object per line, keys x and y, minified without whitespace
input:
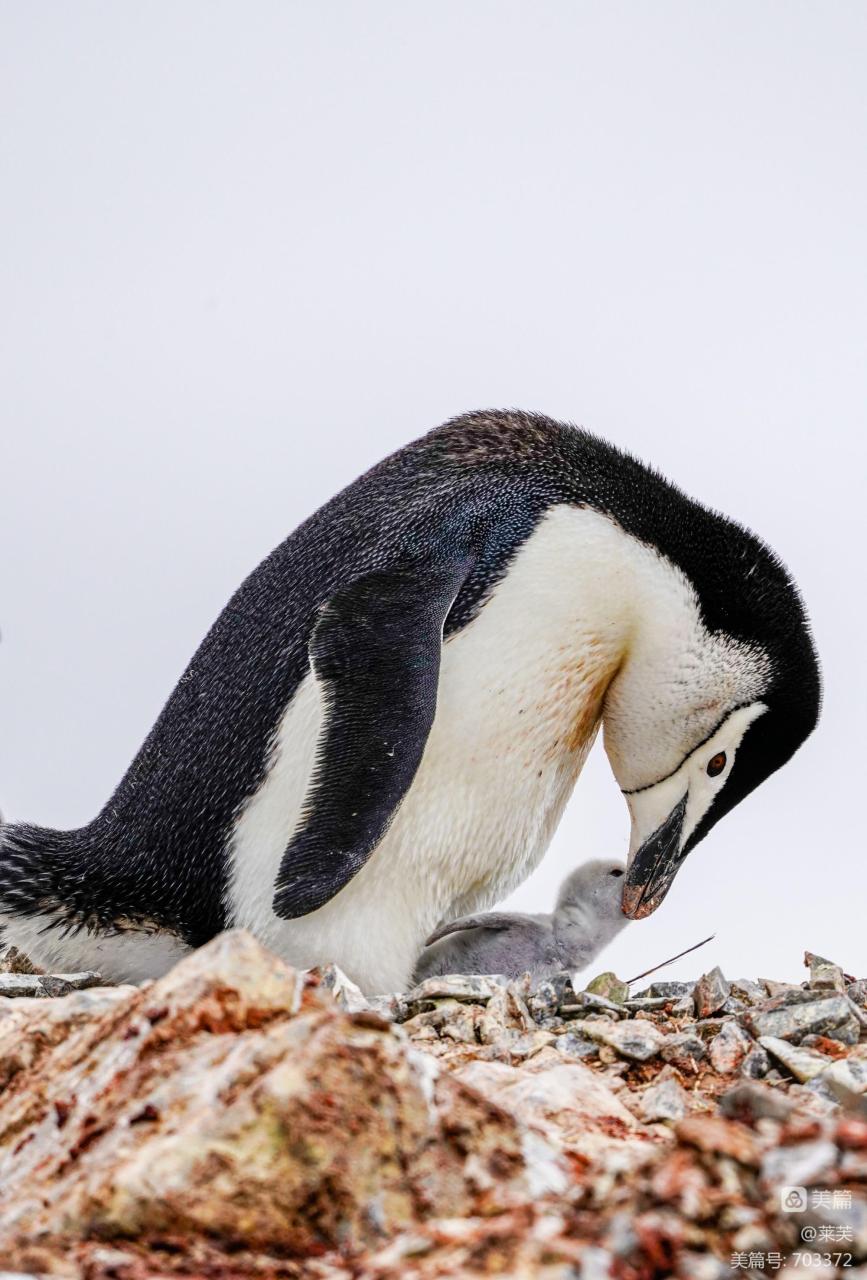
{"x":462,"y":1022}
{"x":824,"y":974}
{"x":635,"y":1003}
{"x":729,"y":1047}
{"x":707,"y":1028}
{"x":848,"y":1073}
{"x":756,"y":1064}
{"x":779,"y":988}
{"x":546,"y":1000}
{"x":347,"y":994}
{"x":711,"y":992}
{"x":575,"y":1045}
{"x":470,"y":987}
{"x":748,"y":991}
{"x":586,"y":1002}
{"x":684,"y":1051}
{"x":670,"y":990}
{"x":802,"y":1063}
{"x":527,"y":1045}
{"x":857,"y":991}
{"x":750,"y":1102}
{"x":392,"y":1006}
{"x":636,"y":1040}
{"x":797,"y":1013}
{"x":609,"y":986}
{"x":15,"y":985}
{"x":665,"y":1100}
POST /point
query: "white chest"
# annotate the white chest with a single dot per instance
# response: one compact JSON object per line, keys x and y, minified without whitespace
{"x":519,"y":699}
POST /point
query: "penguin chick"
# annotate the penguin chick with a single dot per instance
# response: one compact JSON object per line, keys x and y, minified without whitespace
{"x":587,"y":916}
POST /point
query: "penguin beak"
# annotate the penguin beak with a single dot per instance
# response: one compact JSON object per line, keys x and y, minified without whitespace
{"x":655,"y":864}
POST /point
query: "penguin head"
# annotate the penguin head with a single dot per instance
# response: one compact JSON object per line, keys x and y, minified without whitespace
{"x":590,"y":896}
{"x":719,"y":689}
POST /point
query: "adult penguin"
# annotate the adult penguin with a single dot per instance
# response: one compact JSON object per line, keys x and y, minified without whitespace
{"x":382,"y":728}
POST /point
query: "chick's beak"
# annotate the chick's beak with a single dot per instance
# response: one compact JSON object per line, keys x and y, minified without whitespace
{"x":653,"y":867}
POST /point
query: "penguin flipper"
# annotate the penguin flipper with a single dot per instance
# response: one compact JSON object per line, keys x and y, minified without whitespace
{"x":375,"y":650}
{"x":490,"y":920}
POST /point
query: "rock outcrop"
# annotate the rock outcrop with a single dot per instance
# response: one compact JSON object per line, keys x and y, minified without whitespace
{"x":238,"y":1119}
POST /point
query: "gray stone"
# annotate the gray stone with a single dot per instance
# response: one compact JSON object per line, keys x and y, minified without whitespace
{"x":684,"y":1050}
{"x":392,"y":1006}
{"x":802,"y":1063}
{"x":779,"y":988}
{"x":555,"y":1024}
{"x":707,"y":1028}
{"x":505,"y":1015}
{"x":544,"y":1002}
{"x":824,"y":974}
{"x":857,"y":991}
{"x":841,"y":1079}
{"x":711,"y":992}
{"x":750,"y":992}
{"x":799,"y":1013}
{"x":756,"y":1064}
{"x":548,"y":996}
{"x":749,"y":1102}
{"x":586,"y":1002}
{"x":474,"y":988}
{"x":346,"y":993}
{"x":32,"y":985}
{"x":609,"y":986}
{"x":461,"y":1024}
{"x":525,"y":1046}
{"x":636,"y":1040}
{"x":683,"y":1007}
{"x":671,"y":990}
{"x":575,"y":1045}
{"x":637,"y":1003}
{"x":803,"y":1164}
{"x":665,"y":1100}
{"x":729,"y":1047}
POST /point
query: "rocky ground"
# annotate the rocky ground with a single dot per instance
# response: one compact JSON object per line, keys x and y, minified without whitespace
{"x":237,"y":1119}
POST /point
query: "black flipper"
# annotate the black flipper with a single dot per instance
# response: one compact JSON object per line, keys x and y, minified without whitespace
{"x":376,"y":651}
{"x":490,"y":920}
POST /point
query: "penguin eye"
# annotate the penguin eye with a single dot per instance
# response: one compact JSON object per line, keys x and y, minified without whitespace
{"x":716,"y":764}
{"x":616,"y":872}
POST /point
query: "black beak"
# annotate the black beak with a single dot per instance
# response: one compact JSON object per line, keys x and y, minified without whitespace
{"x":654,"y":867}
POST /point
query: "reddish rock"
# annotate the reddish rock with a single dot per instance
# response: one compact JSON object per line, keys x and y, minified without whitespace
{"x":226,"y":1100}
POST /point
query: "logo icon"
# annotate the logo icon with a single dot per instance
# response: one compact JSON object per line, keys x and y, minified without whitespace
{"x":793,"y":1199}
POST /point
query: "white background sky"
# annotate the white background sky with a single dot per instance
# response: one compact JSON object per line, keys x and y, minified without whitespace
{"x":247,"y":249}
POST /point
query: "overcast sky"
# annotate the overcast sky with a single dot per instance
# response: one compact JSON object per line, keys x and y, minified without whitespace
{"x":246,"y":249}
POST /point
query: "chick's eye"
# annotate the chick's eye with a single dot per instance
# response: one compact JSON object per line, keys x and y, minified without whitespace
{"x":616,"y":872}
{"x":716,"y":764}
